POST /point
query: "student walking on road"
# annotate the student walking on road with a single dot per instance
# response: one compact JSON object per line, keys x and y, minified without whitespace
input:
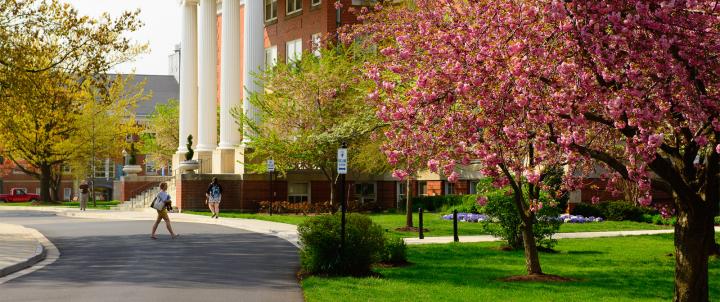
{"x":161,"y":204}
{"x":213,"y":197}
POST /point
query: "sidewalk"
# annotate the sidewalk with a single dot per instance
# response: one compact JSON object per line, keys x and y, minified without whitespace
{"x":20,"y":248}
{"x":489,"y":238}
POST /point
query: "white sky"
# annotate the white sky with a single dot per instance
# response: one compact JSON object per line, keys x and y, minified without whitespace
{"x":161,"y":30}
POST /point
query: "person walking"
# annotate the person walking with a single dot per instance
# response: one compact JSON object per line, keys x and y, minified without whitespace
{"x":84,"y":195}
{"x":163,"y":199}
{"x":213,"y":197}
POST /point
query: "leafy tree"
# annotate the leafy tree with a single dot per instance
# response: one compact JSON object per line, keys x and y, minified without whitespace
{"x":632,"y":85}
{"x":160,"y":139}
{"x":309,"y":107}
{"x":52,"y":60}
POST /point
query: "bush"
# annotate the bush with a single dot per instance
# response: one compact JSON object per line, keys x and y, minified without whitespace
{"x":320,"y":240}
{"x":395,"y":251}
{"x":717,"y":220}
{"x":587,"y":210}
{"x":501,"y":208}
{"x":658,"y":219}
{"x":621,"y":210}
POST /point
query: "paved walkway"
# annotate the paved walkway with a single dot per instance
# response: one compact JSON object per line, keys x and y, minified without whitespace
{"x":20,"y":248}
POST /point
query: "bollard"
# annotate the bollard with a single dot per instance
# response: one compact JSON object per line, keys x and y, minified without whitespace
{"x":455,"y":232}
{"x":420,"y":222}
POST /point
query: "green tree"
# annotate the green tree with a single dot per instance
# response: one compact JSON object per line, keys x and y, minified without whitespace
{"x":308,"y":108}
{"x":160,"y":139}
{"x":52,"y":61}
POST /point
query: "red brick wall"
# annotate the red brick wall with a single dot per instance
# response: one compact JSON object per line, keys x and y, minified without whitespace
{"x":237,"y":194}
{"x":319,"y":191}
{"x":462,"y":187}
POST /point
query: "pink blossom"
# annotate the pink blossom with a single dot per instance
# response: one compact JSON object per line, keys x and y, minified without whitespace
{"x":701,"y":140}
{"x":532,"y":176}
{"x":338,"y":4}
{"x":433,"y":165}
{"x":717,"y":148}
{"x":453,"y":178}
{"x":482,"y":201}
{"x":400,"y":174}
{"x":645,"y":200}
{"x":595,"y":200}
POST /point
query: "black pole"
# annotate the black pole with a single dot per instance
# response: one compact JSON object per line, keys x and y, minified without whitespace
{"x":455,"y":232}
{"x":343,"y":205}
{"x":420,"y":222}
{"x":270,"y":199}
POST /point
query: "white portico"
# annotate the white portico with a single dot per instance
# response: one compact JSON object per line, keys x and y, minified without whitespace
{"x":242,"y":46}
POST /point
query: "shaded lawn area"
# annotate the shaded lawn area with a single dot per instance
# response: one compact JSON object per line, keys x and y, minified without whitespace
{"x":637,"y":268}
{"x":440,"y":227}
{"x":101,"y":205}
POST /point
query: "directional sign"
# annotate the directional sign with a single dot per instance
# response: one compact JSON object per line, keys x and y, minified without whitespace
{"x":270,"y":165}
{"x":342,"y":161}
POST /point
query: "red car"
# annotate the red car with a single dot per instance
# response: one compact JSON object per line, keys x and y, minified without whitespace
{"x":19,"y":195}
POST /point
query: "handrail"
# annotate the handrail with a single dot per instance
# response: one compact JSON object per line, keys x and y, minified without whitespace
{"x":145,"y":187}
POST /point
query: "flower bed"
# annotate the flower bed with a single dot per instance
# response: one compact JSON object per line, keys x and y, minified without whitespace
{"x":467,"y":217}
{"x":567,"y":218}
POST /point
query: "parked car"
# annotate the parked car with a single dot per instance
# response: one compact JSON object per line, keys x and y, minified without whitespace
{"x":19,"y":195}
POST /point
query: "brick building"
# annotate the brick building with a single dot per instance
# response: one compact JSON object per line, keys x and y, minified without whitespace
{"x":223,"y":44}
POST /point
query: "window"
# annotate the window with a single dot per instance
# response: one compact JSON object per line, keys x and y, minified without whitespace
{"x":449,"y":188}
{"x":401,"y":190}
{"x":37,"y":190}
{"x":315,"y":2}
{"x":363,"y":2}
{"x":316,"y":44}
{"x":365,"y":192}
{"x":150,"y":167}
{"x":473,"y":186}
{"x":298,"y":192}
{"x":293,"y":6}
{"x":294,"y":50}
{"x":20,"y":191}
{"x":422,"y":188}
{"x":65,"y":169}
{"x":270,"y":57}
{"x":270,"y":10}
{"x":67,"y":193}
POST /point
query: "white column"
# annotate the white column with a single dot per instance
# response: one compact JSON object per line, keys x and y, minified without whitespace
{"x":230,"y":89}
{"x":188,"y":74}
{"x":207,"y":95}
{"x":253,"y":55}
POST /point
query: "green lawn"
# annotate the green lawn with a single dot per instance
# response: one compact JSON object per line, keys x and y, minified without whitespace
{"x":439,"y":227}
{"x":101,"y":205}
{"x":635,"y":268}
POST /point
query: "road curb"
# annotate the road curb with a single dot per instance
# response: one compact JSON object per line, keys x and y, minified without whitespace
{"x":39,"y":255}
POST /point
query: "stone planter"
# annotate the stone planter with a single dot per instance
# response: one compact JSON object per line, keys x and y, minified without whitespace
{"x":189,"y":166}
{"x":132,"y":170}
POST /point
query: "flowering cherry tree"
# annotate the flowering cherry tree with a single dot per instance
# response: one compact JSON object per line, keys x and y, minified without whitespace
{"x":522,"y":85}
{"x":444,"y":109}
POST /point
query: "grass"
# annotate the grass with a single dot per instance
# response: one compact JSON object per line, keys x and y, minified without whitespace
{"x":101,"y":205}
{"x":439,"y":227}
{"x":638,"y":268}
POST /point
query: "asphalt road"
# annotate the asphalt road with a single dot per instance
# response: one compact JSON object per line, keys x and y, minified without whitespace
{"x":108,"y":261}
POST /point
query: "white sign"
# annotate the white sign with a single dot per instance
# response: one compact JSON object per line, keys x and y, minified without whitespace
{"x":342,"y":161}
{"x":270,"y":165}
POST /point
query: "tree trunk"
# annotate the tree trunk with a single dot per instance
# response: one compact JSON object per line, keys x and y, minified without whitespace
{"x":694,"y":235}
{"x":45,"y":179}
{"x":532,"y":259}
{"x":408,"y":206}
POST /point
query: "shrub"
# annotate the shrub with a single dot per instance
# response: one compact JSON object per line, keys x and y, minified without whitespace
{"x":320,"y":240}
{"x":621,"y":210}
{"x":395,"y":251}
{"x":587,"y":210}
{"x":501,"y":208}
{"x":717,"y":220}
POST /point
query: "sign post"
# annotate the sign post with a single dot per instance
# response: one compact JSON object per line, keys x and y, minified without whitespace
{"x":271,"y":171}
{"x":342,"y":160}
